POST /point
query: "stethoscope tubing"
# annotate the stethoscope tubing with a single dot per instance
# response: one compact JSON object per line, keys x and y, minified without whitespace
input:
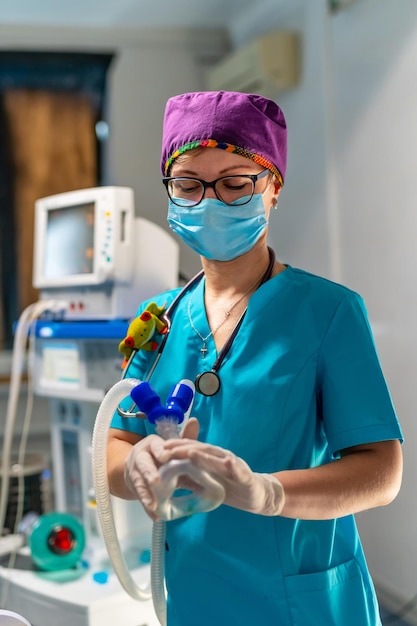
{"x":167,"y":318}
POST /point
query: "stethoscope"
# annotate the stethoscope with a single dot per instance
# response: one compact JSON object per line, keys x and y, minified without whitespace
{"x":208,"y":382}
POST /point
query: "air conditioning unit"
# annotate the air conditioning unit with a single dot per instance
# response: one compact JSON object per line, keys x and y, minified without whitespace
{"x":271,"y":63}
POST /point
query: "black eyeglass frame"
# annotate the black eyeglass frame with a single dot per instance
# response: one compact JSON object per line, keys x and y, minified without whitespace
{"x":212,"y":185}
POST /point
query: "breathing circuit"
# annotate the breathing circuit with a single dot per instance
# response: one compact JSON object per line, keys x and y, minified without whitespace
{"x":168,"y":421}
{"x":22,"y":334}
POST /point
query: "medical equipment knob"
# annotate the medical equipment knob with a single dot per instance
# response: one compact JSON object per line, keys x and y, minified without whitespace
{"x":57,"y":541}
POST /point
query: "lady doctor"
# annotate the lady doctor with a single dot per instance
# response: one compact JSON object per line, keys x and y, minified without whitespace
{"x":296,"y":422}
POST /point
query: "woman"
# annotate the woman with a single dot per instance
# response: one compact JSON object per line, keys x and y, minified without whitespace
{"x":296,"y":422}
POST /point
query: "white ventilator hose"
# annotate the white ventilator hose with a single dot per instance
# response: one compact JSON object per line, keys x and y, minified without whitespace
{"x":101,"y":486}
{"x":211,"y":495}
{"x":158,"y":571}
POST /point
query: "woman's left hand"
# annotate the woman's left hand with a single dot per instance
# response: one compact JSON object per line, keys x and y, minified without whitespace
{"x":246,"y":490}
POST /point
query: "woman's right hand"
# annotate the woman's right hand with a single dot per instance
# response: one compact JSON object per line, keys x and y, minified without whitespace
{"x":141,"y":468}
{"x":141,"y":471}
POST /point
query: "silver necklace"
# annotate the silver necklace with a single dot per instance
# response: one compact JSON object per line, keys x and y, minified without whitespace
{"x":227,"y":313}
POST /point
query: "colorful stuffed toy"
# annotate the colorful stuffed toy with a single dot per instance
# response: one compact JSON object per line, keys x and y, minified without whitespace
{"x":141,"y":330}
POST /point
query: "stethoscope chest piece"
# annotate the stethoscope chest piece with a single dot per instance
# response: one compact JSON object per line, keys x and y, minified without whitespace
{"x":207,"y":383}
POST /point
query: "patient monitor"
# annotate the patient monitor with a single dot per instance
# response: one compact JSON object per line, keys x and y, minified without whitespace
{"x":92,"y":252}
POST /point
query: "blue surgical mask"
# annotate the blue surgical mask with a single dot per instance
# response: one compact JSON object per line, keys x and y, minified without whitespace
{"x":219,"y":231}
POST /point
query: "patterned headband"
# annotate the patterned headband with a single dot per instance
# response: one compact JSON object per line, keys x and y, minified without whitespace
{"x":228,"y":147}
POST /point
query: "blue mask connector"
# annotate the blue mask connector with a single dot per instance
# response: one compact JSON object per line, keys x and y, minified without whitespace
{"x":176,"y":408}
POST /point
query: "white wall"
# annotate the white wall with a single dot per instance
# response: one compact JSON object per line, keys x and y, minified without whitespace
{"x":375,"y":46}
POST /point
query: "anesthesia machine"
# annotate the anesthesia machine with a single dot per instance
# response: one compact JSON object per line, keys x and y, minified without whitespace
{"x":94,"y":262}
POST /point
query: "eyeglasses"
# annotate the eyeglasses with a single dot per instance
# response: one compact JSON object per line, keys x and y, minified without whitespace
{"x":231,"y":190}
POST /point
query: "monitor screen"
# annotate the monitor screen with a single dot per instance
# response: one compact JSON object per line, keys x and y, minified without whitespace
{"x":69,"y":244}
{"x":84,"y":238}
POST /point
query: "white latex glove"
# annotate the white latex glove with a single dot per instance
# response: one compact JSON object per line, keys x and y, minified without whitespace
{"x":141,"y":469}
{"x":246,"y":490}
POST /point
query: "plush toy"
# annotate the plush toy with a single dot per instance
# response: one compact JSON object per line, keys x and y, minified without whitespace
{"x":141,"y":330}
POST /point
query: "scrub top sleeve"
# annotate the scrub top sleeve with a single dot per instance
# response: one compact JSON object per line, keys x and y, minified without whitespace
{"x":356,"y":405}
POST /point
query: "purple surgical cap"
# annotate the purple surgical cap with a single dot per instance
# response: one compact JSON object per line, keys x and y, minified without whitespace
{"x":245,"y":124}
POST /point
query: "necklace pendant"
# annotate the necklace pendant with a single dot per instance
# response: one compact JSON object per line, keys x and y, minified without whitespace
{"x":203,"y":350}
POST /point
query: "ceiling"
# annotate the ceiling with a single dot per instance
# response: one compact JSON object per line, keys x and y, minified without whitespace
{"x":119,"y":13}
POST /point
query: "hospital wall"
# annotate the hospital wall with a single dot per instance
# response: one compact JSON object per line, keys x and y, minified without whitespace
{"x":347,"y":210}
{"x":375,"y":139}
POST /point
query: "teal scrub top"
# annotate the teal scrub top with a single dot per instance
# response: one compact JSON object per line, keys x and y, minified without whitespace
{"x":301,"y":382}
